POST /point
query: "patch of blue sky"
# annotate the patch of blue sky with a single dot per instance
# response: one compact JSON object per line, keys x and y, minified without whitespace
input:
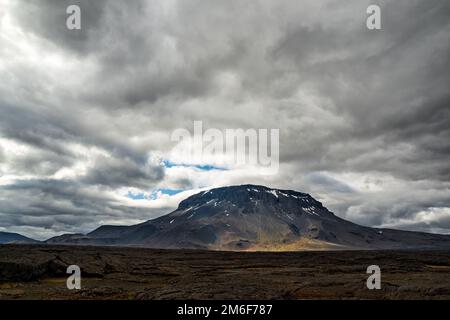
{"x":203,"y":167}
{"x":153,"y":194}
{"x":136,"y":196}
{"x":166,"y":191}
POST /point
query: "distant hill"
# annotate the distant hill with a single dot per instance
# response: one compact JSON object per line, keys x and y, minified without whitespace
{"x":7,"y":237}
{"x":251,"y":217}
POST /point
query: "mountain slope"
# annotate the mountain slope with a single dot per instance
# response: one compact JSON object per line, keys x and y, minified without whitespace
{"x":7,"y":237}
{"x":250,"y":217}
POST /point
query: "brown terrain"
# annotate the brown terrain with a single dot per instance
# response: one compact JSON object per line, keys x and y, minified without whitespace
{"x":39,"y":272}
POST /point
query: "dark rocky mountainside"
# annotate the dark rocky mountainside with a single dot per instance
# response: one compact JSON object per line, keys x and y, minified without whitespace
{"x":256,"y":218}
{"x":8,"y":237}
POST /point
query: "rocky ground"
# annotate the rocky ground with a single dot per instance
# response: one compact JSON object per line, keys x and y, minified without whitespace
{"x":39,"y":272}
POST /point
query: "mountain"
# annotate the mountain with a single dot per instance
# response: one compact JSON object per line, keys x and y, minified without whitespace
{"x":7,"y":237}
{"x":250,"y":217}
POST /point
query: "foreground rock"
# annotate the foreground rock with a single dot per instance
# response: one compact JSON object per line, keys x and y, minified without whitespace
{"x":38,"y":272}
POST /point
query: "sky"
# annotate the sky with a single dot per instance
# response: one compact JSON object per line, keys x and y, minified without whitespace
{"x":86,"y":116}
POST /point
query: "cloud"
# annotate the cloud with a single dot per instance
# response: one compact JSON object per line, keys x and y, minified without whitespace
{"x":115,"y":172}
{"x":87,"y":114}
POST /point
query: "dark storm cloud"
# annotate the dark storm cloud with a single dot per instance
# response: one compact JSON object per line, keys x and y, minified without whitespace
{"x":386,"y":85}
{"x":34,"y":128}
{"x":330,"y":183}
{"x":124,"y":37}
{"x":347,"y":100}
{"x":48,"y":19}
{"x":41,"y":164}
{"x":62,"y":206}
{"x":123,"y":173}
{"x":2,"y":154}
{"x":50,"y":135}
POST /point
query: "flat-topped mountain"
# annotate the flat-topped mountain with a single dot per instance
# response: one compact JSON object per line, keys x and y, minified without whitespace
{"x":251,"y":217}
